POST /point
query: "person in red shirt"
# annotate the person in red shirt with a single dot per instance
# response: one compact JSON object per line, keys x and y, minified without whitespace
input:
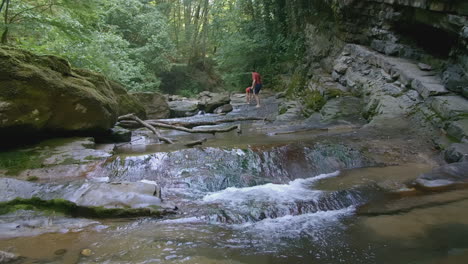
{"x":256,"y":86}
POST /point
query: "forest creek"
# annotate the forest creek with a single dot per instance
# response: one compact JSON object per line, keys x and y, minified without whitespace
{"x":126,"y":137}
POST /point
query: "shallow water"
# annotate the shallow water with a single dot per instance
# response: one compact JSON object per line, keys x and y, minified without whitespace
{"x":265,"y":199}
{"x":282,"y":226}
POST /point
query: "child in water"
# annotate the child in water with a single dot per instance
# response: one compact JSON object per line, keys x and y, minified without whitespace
{"x":248,"y":94}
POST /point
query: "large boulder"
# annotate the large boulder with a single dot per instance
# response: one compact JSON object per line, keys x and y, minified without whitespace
{"x":210,"y":101}
{"x":183,"y":108}
{"x":44,"y":95}
{"x":117,"y":195}
{"x":224,"y":109}
{"x":444,"y":176}
{"x":144,"y":194}
{"x":450,"y":107}
{"x":454,"y":79}
{"x":456,"y":152}
{"x":458,"y":129}
{"x":120,"y":134}
{"x":155,"y":104}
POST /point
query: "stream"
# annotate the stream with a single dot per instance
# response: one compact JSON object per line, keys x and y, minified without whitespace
{"x":265,"y":200}
{"x":311,"y":220}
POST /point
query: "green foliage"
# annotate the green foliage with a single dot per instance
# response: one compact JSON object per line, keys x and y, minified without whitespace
{"x":295,"y":86}
{"x":136,"y":42}
{"x":133,"y":51}
{"x":314,"y":100}
{"x":189,"y":80}
{"x":255,"y":43}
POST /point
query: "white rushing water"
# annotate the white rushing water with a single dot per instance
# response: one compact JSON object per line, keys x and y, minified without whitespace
{"x":297,"y":190}
{"x":294,"y":226}
{"x":282,"y":200}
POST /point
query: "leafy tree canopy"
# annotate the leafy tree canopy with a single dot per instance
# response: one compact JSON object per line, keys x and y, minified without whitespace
{"x":207,"y":44}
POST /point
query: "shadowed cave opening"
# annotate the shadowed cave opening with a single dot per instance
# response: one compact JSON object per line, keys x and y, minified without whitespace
{"x":435,"y":41}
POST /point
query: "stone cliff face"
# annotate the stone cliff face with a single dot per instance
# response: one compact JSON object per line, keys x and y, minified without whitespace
{"x":406,"y":60}
{"x":44,"y":96}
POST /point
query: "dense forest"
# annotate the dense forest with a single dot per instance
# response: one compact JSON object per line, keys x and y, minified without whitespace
{"x":175,"y":46}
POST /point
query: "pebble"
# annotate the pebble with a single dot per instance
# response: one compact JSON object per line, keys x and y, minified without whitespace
{"x":86,"y":252}
{"x":424,"y":67}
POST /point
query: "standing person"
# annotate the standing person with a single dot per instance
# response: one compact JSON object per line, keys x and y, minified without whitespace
{"x":256,"y":86}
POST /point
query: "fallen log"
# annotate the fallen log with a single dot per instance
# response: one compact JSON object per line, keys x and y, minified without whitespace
{"x":134,"y":124}
{"x":145,"y":124}
{"x":199,"y":131}
{"x":191,"y":124}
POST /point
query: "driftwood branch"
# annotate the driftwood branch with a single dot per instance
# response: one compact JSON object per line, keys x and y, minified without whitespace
{"x":195,"y":143}
{"x":145,"y":124}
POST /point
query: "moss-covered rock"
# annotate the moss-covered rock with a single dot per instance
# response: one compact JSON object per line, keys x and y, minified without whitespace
{"x":43,"y":95}
{"x":72,"y":209}
{"x":84,"y":199}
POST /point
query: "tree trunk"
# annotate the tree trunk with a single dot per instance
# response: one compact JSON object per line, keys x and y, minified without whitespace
{"x":4,"y":39}
{"x":5,"y":36}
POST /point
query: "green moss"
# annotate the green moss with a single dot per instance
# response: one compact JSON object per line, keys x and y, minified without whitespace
{"x":333,"y":93}
{"x":130,"y":104}
{"x":314,"y":100}
{"x":16,"y":161}
{"x":282,"y":110}
{"x":91,"y":158}
{"x":71,"y":209}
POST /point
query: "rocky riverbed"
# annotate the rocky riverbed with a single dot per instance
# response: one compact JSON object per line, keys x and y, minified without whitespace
{"x":236,"y":190}
{"x":362,"y":158}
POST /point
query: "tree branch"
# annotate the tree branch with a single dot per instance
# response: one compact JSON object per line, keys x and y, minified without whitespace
{"x":49,"y":5}
{"x":143,"y":123}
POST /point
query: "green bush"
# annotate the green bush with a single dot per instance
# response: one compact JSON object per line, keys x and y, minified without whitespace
{"x":314,"y":100}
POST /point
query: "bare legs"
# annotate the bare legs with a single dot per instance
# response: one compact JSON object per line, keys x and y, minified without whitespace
{"x":258,"y":100}
{"x":248,"y":97}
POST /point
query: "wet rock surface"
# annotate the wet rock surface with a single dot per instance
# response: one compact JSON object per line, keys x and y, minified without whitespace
{"x":456,"y":152}
{"x":343,"y":108}
{"x":445,"y":176}
{"x":7,"y":257}
{"x":54,"y":159}
{"x":29,"y":223}
{"x":89,"y":194}
{"x":120,"y":134}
